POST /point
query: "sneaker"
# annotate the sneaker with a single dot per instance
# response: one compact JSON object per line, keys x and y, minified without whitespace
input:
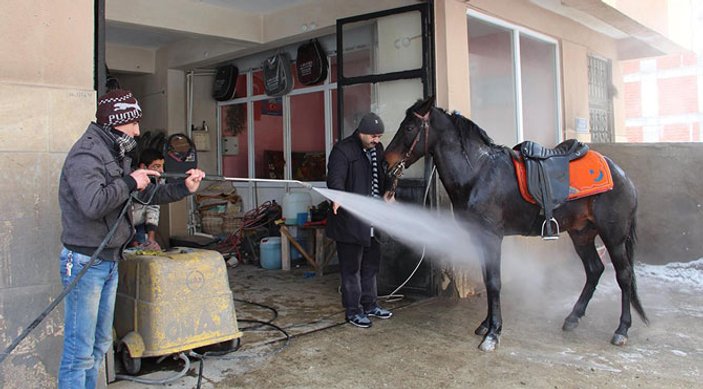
{"x":379,"y":312}
{"x":359,"y":320}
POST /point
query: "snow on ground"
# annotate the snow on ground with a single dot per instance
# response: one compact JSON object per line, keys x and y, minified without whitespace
{"x":687,"y":274}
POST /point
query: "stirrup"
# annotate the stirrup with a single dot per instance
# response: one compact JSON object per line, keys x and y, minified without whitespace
{"x":544,"y":224}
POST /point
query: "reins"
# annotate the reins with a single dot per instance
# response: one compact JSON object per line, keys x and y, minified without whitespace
{"x":397,"y":170}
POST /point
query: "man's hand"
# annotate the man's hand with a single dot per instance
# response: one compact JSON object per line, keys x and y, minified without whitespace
{"x":335,"y":207}
{"x":142,"y":176}
{"x":193,"y":179}
{"x":389,"y":197}
{"x":151,"y":245}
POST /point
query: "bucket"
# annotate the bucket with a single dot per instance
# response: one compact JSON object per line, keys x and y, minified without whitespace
{"x":270,"y":250}
{"x":295,"y":203}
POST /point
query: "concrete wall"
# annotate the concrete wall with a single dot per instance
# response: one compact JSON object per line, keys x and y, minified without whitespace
{"x":46,"y":102}
{"x":670,"y":196}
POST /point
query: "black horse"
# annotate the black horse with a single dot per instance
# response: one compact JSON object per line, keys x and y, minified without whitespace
{"x":479,"y":178}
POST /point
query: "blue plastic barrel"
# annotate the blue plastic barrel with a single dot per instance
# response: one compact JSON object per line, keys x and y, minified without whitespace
{"x":270,"y":249}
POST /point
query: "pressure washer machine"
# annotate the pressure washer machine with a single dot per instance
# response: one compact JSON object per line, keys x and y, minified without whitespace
{"x":172,"y":301}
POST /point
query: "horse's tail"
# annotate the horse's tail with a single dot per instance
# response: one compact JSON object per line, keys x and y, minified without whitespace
{"x":630,"y":242}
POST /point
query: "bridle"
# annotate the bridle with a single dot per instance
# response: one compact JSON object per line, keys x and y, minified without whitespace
{"x":396,"y":171}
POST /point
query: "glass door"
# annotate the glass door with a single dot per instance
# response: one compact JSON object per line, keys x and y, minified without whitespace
{"x":384,"y":65}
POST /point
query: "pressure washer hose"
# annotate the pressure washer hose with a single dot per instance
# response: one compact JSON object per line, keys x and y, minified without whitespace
{"x":238,"y":179}
{"x":164,"y":381}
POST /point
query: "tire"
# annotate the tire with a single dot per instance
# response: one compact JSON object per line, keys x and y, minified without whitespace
{"x":131,"y":365}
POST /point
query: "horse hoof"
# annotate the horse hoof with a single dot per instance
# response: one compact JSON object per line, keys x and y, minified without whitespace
{"x":618,"y":340}
{"x":489,"y":343}
{"x":570,"y":325}
{"x":481,"y":330}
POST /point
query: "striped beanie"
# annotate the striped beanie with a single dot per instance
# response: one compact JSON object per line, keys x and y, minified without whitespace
{"x":118,"y":107}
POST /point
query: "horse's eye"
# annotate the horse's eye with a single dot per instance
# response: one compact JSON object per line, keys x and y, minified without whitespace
{"x":411,"y":128}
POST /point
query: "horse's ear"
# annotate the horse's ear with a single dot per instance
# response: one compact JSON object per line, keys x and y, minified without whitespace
{"x":426,"y":106}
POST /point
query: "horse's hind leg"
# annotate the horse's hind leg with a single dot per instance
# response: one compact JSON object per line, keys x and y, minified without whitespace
{"x":584,"y":243}
{"x":625,"y":276}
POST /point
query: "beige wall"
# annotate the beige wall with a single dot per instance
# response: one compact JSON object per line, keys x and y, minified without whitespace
{"x":46,"y":102}
{"x":452,"y":56}
{"x":574,"y":87}
{"x":576,"y":43}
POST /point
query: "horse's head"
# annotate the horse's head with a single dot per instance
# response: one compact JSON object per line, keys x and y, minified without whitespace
{"x":410,"y":143}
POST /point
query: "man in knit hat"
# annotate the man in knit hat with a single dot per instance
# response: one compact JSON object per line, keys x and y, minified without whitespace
{"x":355,"y":166}
{"x":95,"y":192}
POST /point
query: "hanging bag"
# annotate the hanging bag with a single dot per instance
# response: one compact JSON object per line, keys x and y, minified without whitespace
{"x":277,"y":76}
{"x":311,"y":63}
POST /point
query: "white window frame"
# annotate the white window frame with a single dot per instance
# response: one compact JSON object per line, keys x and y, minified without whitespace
{"x":517,"y":76}
{"x":327,"y":87}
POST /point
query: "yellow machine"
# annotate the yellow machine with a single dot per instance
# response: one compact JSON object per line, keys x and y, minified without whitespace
{"x":170,"y":302}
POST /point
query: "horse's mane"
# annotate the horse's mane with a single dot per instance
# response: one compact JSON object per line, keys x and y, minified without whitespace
{"x":466,"y":128}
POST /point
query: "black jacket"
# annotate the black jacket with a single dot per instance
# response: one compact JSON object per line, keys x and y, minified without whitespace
{"x":349,"y":170}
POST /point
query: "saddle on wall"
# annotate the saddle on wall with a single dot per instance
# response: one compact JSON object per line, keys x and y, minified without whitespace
{"x":277,"y":75}
{"x":225,"y":85}
{"x":311,"y":63}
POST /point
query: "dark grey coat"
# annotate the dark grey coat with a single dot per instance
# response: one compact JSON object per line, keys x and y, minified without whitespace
{"x":93,"y":188}
{"x":349,"y":170}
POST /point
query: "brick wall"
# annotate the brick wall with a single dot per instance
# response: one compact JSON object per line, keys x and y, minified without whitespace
{"x":678,"y":116}
{"x":678,"y":95}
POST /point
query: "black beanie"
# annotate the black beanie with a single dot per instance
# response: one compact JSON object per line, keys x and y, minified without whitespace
{"x":371,"y":124}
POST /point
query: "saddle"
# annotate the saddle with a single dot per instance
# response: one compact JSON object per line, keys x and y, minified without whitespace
{"x":548,"y":177}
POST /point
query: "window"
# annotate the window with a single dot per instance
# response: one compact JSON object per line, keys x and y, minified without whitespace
{"x":514,"y":82}
{"x":307,"y":134}
{"x":385,"y":66}
{"x":235,"y":140}
{"x":287,"y":137}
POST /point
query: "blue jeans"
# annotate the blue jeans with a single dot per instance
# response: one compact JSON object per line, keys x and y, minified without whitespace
{"x":89,"y":310}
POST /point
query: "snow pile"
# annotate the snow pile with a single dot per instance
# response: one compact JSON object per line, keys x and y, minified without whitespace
{"x":679,"y":273}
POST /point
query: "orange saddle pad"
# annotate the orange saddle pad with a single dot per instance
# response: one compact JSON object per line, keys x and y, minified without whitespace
{"x":588,"y":175}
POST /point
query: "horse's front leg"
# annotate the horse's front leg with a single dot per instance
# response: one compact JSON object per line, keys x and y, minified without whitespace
{"x":492,"y":326}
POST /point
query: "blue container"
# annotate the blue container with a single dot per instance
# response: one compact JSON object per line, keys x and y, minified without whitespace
{"x":270,"y":249}
{"x":296,"y":255}
{"x":302,"y":218}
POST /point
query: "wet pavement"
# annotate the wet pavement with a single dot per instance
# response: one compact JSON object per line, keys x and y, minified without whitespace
{"x":430,"y":342}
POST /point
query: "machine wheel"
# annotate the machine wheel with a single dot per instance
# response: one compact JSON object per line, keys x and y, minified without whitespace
{"x":229,"y":345}
{"x":131,"y":365}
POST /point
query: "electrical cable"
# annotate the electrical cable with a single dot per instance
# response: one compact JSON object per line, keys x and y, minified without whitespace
{"x":200,"y":372}
{"x":251,"y":220}
{"x":223,"y":354}
{"x":275,"y":313}
{"x":72,"y":285}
